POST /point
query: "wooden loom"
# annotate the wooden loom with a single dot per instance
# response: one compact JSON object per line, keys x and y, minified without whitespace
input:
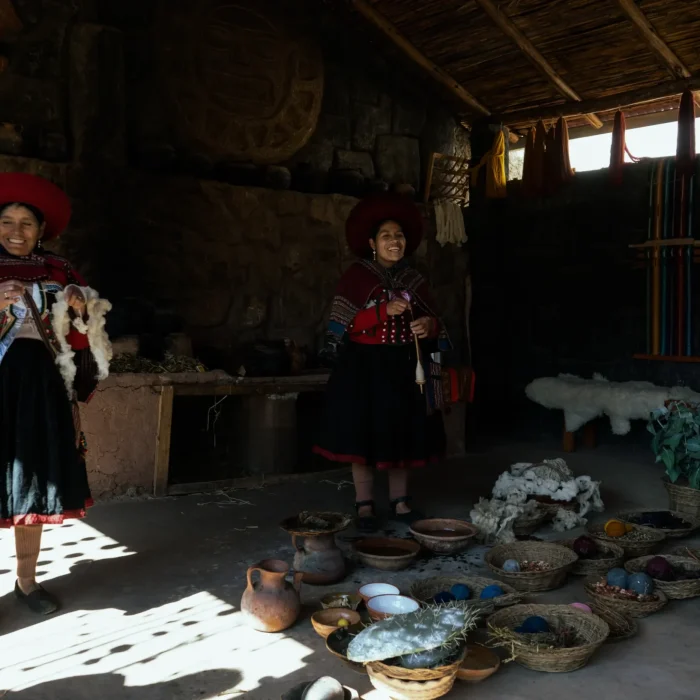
{"x":447,"y":178}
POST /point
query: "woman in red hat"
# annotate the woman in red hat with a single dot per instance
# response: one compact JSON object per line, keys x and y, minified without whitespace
{"x":376,"y":415}
{"x":53,"y":350}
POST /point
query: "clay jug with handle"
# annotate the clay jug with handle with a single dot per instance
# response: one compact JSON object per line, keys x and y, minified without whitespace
{"x":271,"y":604}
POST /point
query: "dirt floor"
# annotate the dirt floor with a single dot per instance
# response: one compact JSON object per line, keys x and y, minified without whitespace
{"x":151,"y":593}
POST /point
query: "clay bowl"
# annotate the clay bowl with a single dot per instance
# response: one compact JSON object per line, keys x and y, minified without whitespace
{"x":351,"y":601}
{"x":297,"y":692}
{"x":326,"y":621}
{"x":383,"y":606}
{"x":479,"y":663}
{"x":387,"y":553}
{"x":444,"y":535}
{"x":372,"y":590}
{"x":337,"y":644}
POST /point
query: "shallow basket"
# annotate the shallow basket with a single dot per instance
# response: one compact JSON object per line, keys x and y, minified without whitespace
{"x":591,"y":567}
{"x":693,"y":522}
{"x":398,"y":689}
{"x":683,"y":499}
{"x":528,"y":524}
{"x":589,"y":627}
{"x":630,"y":608}
{"x":633,"y":548}
{"x":426,"y":589}
{"x":687,"y":552}
{"x":550,"y":510}
{"x":674,"y":590}
{"x":418,"y":674}
{"x":621,"y":626}
{"x":561,"y":558}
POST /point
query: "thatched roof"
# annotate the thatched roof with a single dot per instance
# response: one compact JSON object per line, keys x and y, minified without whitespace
{"x":599,"y":49}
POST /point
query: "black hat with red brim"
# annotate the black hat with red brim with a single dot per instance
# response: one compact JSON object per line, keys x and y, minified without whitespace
{"x":50,"y":200}
{"x":372,"y":211}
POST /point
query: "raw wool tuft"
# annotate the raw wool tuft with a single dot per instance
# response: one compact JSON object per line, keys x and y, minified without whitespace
{"x":100,"y":345}
{"x":582,"y":400}
{"x":512,"y":497}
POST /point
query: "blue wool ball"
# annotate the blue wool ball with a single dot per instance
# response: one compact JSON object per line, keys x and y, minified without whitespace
{"x":641,"y":584}
{"x":511,"y":565}
{"x":443,"y":597}
{"x":461,"y":591}
{"x":533,"y":625}
{"x":492,"y":591}
{"x":617,"y":577}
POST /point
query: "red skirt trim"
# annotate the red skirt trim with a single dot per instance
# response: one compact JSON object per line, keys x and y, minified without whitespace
{"x":38,"y":519}
{"x":356,"y":459}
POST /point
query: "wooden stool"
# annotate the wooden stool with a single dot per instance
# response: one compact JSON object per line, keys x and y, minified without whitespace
{"x":590,"y":440}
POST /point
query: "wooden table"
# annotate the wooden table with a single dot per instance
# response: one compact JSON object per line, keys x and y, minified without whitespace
{"x":260,"y":386}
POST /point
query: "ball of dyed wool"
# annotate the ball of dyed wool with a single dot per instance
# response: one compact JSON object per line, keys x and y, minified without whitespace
{"x":461,"y":591}
{"x":533,"y":625}
{"x":585,"y":546}
{"x":617,"y":577}
{"x":660,"y":569}
{"x":443,"y":597}
{"x":492,"y":591}
{"x":641,"y":584}
{"x":512,"y":566}
{"x":581,"y":606}
{"x":616,"y":528}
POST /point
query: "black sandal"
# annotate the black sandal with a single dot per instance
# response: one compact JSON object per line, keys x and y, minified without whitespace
{"x":366,"y":523}
{"x":406,"y":518}
{"x":39,"y":601}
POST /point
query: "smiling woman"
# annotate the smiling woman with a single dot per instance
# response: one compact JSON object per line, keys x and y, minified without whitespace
{"x":53,"y":349}
{"x":376,"y":415}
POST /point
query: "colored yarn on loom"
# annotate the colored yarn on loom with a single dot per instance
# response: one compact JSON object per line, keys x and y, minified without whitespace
{"x":669,"y":278}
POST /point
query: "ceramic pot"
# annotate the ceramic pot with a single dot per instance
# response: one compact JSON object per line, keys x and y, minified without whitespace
{"x":319,"y":559}
{"x":271,"y":604}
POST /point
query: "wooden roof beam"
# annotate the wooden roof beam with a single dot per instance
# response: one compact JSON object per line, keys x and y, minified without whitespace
{"x":601,"y":104}
{"x":506,"y":25}
{"x":669,"y":59}
{"x":443,"y":78}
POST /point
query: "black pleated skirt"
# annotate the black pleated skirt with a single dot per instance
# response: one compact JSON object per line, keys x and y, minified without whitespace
{"x":375,"y":413}
{"x":43,"y":478}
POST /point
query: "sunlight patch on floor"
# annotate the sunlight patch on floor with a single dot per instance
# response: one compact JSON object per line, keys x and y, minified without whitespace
{"x":196,"y":634}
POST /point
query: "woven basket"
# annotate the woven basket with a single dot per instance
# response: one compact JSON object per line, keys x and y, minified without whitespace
{"x":550,"y":510}
{"x":674,"y":590}
{"x":630,"y":608}
{"x":426,"y":589}
{"x":589,"y":628}
{"x":687,"y":552}
{"x":683,"y":499}
{"x":693,"y":522}
{"x":591,"y":567}
{"x":633,"y":548}
{"x":528,"y":524}
{"x":561,"y":559}
{"x":418,"y":674}
{"x":410,"y":690}
{"x":621,"y":626}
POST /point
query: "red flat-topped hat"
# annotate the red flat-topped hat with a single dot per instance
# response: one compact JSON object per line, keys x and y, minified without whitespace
{"x":372,"y":210}
{"x":49,"y":199}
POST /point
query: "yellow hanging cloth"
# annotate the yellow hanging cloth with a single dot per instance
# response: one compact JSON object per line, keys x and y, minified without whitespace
{"x":495,"y":162}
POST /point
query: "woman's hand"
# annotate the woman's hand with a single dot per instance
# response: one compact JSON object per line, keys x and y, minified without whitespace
{"x":10,"y":293}
{"x":74,"y":298}
{"x":396,"y":307}
{"x":422,"y":327}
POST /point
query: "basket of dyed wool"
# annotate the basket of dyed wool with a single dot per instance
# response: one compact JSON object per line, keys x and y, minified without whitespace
{"x":529,"y":522}
{"x":635,"y":540}
{"x":677,"y":577}
{"x":469,"y":590}
{"x":594,"y":557}
{"x":672,"y":523}
{"x":621,"y":626}
{"x":549,"y":638}
{"x":531,"y":566}
{"x":634,"y":597}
